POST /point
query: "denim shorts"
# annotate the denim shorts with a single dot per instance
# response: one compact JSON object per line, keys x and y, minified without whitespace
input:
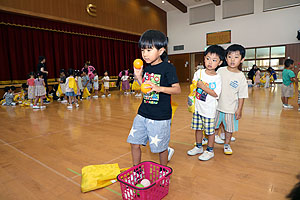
{"x":157,"y":132}
{"x":71,"y":94}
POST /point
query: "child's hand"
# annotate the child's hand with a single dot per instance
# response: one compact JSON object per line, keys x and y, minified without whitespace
{"x":238,"y":114}
{"x":153,"y":86}
{"x":138,"y":72}
{"x":200,"y":84}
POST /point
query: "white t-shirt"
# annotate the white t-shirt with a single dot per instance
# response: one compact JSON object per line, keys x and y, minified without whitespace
{"x":96,"y":82}
{"x":205,"y":104}
{"x":124,"y":78}
{"x":106,"y":81}
{"x":234,"y":87}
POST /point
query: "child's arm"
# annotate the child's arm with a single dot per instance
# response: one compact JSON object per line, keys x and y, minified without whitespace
{"x":206,"y":89}
{"x":174,"y":89}
{"x":44,"y":83}
{"x":238,"y":113}
{"x":138,"y":73}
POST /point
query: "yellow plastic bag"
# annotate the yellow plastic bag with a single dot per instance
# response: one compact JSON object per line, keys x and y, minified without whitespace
{"x":59,"y":92}
{"x":191,"y":97}
{"x":102,"y":88}
{"x":99,"y":176}
{"x":86,"y":93}
{"x":136,"y":86}
{"x":121,"y":86}
{"x":174,"y":108}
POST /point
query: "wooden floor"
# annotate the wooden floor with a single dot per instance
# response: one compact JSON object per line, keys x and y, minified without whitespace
{"x":42,"y":152}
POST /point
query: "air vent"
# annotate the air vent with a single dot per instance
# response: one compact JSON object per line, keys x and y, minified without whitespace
{"x":178,"y":47}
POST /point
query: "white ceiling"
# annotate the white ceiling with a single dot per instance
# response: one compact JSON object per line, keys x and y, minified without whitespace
{"x":169,"y":7}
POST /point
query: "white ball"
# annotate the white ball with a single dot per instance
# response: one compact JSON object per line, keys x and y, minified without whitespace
{"x":145,"y":182}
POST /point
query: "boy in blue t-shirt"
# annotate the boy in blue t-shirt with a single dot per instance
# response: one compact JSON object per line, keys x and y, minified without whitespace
{"x":153,"y":120}
{"x":288,"y":77}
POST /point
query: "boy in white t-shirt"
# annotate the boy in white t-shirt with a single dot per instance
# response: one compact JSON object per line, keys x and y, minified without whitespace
{"x":105,"y":81}
{"x":234,"y":91}
{"x":95,"y":84}
{"x":207,"y":93}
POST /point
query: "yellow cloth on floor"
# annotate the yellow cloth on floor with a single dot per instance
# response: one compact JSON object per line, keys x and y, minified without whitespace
{"x":99,"y":176}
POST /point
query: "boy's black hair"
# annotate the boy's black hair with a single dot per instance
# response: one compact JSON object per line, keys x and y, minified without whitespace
{"x":95,"y":72}
{"x":295,"y":193}
{"x":62,"y":71}
{"x":123,"y":73}
{"x":6,"y":88}
{"x":105,"y":71}
{"x":288,"y":63}
{"x":13,"y":88}
{"x":41,"y":58}
{"x":153,"y":38}
{"x":216,"y":49}
{"x":24,"y":86}
{"x":31,"y":74}
{"x":71,"y":72}
{"x":86,"y":71}
{"x":236,"y":47}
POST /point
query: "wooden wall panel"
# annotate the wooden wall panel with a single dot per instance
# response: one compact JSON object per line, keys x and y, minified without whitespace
{"x":179,"y":61}
{"x":134,"y":16}
{"x":293,"y":51}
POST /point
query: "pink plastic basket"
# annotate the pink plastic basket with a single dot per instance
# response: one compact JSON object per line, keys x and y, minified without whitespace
{"x":158,"y":175}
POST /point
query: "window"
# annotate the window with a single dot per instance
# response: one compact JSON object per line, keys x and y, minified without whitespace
{"x":250,"y":54}
{"x":263,"y":52}
{"x":278,"y":52}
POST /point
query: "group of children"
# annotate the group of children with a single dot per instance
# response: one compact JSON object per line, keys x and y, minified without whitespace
{"x":219,"y":98}
{"x":79,"y":85}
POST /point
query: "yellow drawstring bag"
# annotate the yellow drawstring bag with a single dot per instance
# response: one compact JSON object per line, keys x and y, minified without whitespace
{"x":99,"y":176}
{"x":174,"y":108}
{"x":59,"y":92}
{"x":102,"y":88}
{"x":136,"y":86}
{"x":191,"y":97}
{"x":86,"y":93}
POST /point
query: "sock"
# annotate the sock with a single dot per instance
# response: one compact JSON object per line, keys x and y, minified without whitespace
{"x":199,"y":145}
{"x":210,"y":149}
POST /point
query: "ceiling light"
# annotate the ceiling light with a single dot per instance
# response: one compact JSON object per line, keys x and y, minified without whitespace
{"x":163,"y":1}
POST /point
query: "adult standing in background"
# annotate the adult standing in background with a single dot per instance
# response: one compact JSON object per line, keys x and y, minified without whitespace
{"x":41,"y":67}
{"x":90,"y":68}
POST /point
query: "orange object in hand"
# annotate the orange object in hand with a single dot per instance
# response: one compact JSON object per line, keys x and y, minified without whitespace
{"x":145,"y":90}
{"x":138,"y":63}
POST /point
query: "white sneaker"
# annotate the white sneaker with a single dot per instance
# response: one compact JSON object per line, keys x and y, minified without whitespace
{"x":109,"y":95}
{"x":299,"y":109}
{"x":207,"y":155}
{"x":136,"y":95}
{"x":204,"y":141}
{"x":58,"y":99}
{"x":42,"y":107}
{"x":218,"y":140}
{"x":31,"y":105}
{"x":95,"y":97}
{"x":222,"y":136}
{"x":195,"y":151}
{"x":35,"y":107}
{"x":70,"y":107}
{"x":287,"y":106}
{"x":132,"y":92}
{"x":103,"y":96}
{"x":77,"y":105}
{"x":170,"y":153}
{"x":64,"y":101}
{"x":227,"y":150}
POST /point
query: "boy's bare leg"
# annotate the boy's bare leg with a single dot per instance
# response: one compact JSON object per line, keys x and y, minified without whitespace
{"x":163,"y":157}
{"x":136,"y":154}
{"x":199,"y":136}
{"x":211,"y":140}
{"x":227,"y":137}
